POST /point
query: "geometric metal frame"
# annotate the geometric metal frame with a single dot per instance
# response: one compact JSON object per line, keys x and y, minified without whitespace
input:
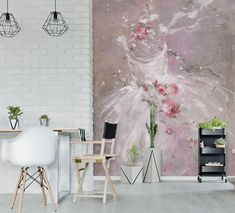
{"x":14,"y":125}
{"x":128,"y":179}
{"x":55,"y":24}
{"x":8,"y":25}
{"x":152,"y":155}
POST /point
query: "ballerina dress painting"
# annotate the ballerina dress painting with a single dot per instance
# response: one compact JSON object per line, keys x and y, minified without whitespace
{"x":154,"y":51}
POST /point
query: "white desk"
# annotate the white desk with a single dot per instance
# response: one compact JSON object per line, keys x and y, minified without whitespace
{"x":59,"y":171}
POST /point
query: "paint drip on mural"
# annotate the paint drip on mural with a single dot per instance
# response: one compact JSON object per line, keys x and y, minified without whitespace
{"x":162,"y":68}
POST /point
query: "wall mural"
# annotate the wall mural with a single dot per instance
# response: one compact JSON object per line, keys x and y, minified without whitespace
{"x":175,"y":53}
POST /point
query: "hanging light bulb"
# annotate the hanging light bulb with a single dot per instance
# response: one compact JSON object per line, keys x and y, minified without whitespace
{"x":55,"y":24}
{"x":8,"y":25}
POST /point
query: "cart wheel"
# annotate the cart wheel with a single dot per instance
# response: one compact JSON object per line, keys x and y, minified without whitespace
{"x":225,"y":180}
{"x":199,"y":179}
{"x":222,"y":177}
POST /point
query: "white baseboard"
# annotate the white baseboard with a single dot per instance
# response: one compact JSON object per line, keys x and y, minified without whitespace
{"x":164,"y":178}
{"x":103,"y":178}
{"x":169,"y":178}
{"x":178,"y":178}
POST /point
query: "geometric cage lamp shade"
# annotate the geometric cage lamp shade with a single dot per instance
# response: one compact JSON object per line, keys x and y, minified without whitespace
{"x":8,"y":24}
{"x":55,"y":24}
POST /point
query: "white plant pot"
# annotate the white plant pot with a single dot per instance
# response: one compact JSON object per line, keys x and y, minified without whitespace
{"x":131,"y":174}
{"x":152,"y":165}
{"x":219,"y":146}
{"x":43,"y":122}
{"x":14,"y":124}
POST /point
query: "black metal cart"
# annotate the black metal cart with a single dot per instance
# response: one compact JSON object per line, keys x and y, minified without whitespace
{"x":211,"y":160}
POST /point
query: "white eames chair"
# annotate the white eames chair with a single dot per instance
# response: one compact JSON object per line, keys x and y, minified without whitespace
{"x":35,"y":147}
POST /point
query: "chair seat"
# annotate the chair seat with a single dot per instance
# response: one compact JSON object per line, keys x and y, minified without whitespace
{"x":96,"y":158}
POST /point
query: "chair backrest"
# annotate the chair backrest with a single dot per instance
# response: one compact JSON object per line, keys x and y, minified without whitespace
{"x":109,"y":135}
{"x":82,"y":133}
{"x":36,"y":146}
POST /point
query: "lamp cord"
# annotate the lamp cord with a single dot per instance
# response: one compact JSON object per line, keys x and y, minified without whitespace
{"x":7,"y":6}
{"x":55,"y":5}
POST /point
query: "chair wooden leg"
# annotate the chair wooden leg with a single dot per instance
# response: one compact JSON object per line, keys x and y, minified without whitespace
{"x":42,"y":186}
{"x":49,"y":189}
{"x":17,"y":188}
{"x":105,"y":190}
{"x":109,"y":179}
{"x":22,"y":189}
{"x":106,"y":184}
{"x":81,"y":182}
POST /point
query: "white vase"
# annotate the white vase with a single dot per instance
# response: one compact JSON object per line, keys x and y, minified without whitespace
{"x":131,"y":174}
{"x":152,"y":165}
{"x":14,"y":124}
{"x":44,"y":122}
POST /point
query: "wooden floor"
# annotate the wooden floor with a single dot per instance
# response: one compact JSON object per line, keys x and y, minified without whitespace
{"x":166,"y":197}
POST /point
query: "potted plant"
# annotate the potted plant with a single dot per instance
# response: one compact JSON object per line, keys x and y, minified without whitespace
{"x":215,"y":126}
{"x":220,"y":143}
{"x":14,"y":112}
{"x":152,"y":155}
{"x":215,"y":123}
{"x":44,"y":120}
{"x":132,"y":173}
{"x":133,"y":155}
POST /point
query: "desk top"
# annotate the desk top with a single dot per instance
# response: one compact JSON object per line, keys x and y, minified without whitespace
{"x":70,"y":130}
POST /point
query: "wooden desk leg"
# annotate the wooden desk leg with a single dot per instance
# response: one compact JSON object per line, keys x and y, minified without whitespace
{"x":104,"y":163}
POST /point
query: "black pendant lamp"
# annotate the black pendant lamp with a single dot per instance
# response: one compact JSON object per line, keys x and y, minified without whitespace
{"x":55,"y":24}
{"x":8,"y":24}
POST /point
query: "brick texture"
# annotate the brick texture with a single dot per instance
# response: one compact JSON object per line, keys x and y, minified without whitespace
{"x":47,"y":75}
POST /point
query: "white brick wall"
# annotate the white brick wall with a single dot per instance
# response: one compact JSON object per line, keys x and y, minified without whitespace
{"x":48,"y":75}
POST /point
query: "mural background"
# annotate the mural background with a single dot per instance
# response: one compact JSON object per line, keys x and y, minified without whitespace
{"x":178,"y":54}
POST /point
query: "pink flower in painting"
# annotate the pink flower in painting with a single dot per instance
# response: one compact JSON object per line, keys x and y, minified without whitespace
{"x":170,"y":108}
{"x":172,"y":89}
{"x":140,"y":32}
{"x":161,"y":89}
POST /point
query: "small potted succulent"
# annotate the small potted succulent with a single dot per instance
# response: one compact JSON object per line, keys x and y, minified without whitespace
{"x":133,"y":155}
{"x":132,"y":172}
{"x":44,"y":120}
{"x":14,"y":112}
{"x":220,"y":143}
